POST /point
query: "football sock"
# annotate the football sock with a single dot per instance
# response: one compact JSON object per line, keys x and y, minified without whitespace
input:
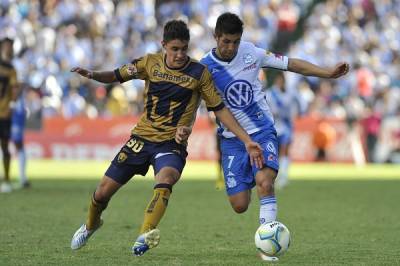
{"x":22,"y":166}
{"x":95,"y":209}
{"x":284,"y":169}
{"x":156,"y":208}
{"x":6,"y":164}
{"x":268,"y":209}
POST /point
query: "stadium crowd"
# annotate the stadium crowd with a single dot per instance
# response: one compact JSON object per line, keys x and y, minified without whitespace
{"x":53,"y":36}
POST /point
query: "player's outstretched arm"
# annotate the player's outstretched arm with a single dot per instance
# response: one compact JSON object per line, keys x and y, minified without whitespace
{"x":308,"y":69}
{"x":100,"y":76}
{"x":253,"y":148}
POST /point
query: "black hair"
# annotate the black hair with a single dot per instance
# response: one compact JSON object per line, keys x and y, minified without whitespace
{"x":176,"y":30}
{"x":5,"y":40}
{"x":228,"y":23}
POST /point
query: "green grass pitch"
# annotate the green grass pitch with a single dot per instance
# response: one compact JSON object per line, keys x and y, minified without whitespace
{"x":337,"y":215}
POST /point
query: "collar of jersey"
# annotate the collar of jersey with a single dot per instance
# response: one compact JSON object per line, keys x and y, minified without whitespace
{"x":175,"y":69}
{"x":217,"y":58}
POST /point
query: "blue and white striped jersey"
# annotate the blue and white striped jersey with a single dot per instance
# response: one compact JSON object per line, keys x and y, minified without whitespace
{"x":241,"y":90}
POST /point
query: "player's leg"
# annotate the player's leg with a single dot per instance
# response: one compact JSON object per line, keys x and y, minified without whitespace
{"x":240,"y":201}
{"x":169,"y":161}
{"x":17,"y":137}
{"x":5,"y":126}
{"x":165,"y":180}
{"x":21,"y":154}
{"x":149,"y":235}
{"x":284,"y":162}
{"x":265,"y":179}
{"x":125,"y":164}
{"x":237,"y":169}
{"x":98,"y":203}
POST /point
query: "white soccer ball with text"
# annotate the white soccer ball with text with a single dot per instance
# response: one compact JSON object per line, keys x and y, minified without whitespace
{"x":272,"y":239}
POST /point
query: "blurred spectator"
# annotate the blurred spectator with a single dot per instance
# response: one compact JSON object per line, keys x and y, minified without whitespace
{"x":371,"y":125}
{"x":323,"y":138}
{"x":53,"y":36}
{"x":57,"y":35}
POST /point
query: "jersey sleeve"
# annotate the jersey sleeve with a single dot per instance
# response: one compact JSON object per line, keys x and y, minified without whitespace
{"x":209,"y":93}
{"x":135,"y":70}
{"x":271,"y":60}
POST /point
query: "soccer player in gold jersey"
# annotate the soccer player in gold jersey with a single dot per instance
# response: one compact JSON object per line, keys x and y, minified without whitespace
{"x":174,"y":86}
{"x":8,"y":84}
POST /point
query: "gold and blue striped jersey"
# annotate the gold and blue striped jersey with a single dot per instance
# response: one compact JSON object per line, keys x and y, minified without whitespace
{"x":171,"y":96}
{"x":8,"y":80}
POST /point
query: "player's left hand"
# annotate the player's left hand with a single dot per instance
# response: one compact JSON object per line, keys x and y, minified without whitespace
{"x":256,"y":154}
{"x":182,"y":134}
{"x":340,"y":69}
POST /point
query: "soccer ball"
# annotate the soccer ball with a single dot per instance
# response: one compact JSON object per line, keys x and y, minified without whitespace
{"x":272,"y":239}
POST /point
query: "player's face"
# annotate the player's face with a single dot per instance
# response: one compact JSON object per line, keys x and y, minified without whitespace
{"x":228,"y":45}
{"x":7,"y":51}
{"x":176,"y":53}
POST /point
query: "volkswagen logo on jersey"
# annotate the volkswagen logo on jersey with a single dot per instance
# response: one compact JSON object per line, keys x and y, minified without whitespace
{"x":239,"y":93}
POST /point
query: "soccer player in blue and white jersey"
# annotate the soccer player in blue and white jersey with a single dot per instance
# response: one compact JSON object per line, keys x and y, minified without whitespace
{"x":235,"y":65}
{"x":285,"y":103}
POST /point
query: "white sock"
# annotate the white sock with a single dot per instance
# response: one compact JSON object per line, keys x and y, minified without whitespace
{"x":284,"y":162}
{"x":22,"y":166}
{"x":268,"y":209}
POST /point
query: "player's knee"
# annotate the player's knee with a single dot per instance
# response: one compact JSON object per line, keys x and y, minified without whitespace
{"x":168,"y":175}
{"x":266,"y":187}
{"x":240,"y":208}
{"x":101,"y":196}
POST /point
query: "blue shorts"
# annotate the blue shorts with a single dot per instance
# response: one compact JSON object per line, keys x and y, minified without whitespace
{"x":17,"y":132}
{"x":136,"y":156}
{"x":239,"y":173}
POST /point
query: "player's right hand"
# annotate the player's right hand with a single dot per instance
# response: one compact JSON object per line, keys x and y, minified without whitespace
{"x":256,"y":154}
{"x":83,"y":72}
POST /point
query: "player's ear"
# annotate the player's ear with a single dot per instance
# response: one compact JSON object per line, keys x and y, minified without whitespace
{"x":163,"y":43}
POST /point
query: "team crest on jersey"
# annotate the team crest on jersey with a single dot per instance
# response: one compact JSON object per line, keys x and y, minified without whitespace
{"x":271,"y":147}
{"x":231,"y":182}
{"x":239,"y":93}
{"x":248,"y":58}
{"x":122,"y":157}
{"x":131,"y":69}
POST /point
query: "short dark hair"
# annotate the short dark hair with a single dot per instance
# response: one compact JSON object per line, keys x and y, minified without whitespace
{"x":176,"y":30}
{"x":5,"y":40}
{"x":228,"y":23}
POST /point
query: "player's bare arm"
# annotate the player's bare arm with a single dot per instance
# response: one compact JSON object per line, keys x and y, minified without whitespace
{"x":253,"y":148}
{"x":100,"y":76}
{"x":308,"y":69}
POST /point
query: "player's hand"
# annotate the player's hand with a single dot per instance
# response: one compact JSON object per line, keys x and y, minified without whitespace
{"x":83,"y":72}
{"x":256,"y":154}
{"x":182,"y":134}
{"x":340,"y":69}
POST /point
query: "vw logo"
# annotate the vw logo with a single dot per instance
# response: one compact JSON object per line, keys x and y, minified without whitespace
{"x":238,"y":93}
